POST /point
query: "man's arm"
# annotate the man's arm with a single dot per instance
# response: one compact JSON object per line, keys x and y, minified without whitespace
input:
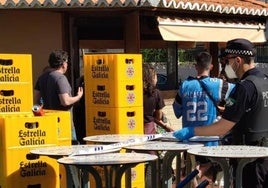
{"x":219,"y":128}
{"x":67,"y":100}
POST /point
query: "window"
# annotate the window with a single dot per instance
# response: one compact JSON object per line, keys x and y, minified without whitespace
{"x":262,"y":54}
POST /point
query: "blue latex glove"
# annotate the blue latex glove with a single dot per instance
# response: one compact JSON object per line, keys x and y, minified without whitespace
{"x":184,"y":133}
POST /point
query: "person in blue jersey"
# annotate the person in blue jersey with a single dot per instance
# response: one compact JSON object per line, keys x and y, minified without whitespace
{"x":197,"y":103}
{"x":245,"y":113}
{"x":198,"y":97}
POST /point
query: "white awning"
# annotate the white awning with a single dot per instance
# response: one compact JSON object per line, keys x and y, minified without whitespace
{"x":209,"y":31}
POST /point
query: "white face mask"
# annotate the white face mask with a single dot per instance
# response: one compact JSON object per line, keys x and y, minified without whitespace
{"x":230,"y":72}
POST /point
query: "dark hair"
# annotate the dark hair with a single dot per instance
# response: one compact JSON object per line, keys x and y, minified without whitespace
{"x":247,"y":59}
{"x":203,"y":60}
{"x":149,"y":73}
{"x":57,"y":58}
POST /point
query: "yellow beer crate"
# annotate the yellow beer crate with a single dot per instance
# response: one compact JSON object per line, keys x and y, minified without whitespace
{"x":28,"y":131}
{"x":20,"y":168}
{"x":21,"y":114}
{"x":16,"y":68}
{"x":14,"y":99}
{"x":105,"y":94}
{"x":64,"y":142}
{"x":114,"y":67}
{"x":114,"y":120}
{"x":137,"y":176}
{"x":64,"y":123}
{"x":63,"y":178}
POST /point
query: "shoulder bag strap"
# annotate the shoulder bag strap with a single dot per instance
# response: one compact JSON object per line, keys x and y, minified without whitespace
{"x":208,"y":94}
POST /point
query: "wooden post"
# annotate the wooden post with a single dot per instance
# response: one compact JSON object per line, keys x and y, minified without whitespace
{"x":132,"y":32}
{"x":214,"y":50}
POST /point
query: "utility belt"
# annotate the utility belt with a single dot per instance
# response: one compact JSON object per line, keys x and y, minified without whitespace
{"x":263,"y":142}
{"x":256,"y":138}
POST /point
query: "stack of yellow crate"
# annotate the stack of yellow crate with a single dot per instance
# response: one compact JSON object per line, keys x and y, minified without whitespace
{"x":114,"y":98}
{"x":16,"y":94}
{"x":113,"y":94}
{"x":21,"y":131}
{"x":64,"y":136}
{"x":18,"y":167}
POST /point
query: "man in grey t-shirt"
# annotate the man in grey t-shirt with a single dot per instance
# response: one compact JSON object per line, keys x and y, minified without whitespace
{"x":53,"y":88}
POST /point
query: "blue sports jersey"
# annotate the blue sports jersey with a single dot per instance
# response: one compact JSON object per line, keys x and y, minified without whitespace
{"x":195,"y":106}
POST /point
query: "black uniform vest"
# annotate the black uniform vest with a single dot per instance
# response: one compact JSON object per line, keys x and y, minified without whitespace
{"x":252,"y":129}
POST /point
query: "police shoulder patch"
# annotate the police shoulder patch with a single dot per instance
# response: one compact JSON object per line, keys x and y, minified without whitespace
{"x":230,"y":102}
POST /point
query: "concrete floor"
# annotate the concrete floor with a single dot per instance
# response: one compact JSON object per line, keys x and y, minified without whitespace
{"x":168,"y":111}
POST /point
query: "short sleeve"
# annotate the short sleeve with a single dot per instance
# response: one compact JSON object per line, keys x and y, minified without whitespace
{"x":63,"y":85}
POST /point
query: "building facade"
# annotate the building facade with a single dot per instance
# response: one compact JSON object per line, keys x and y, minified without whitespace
{"x":126,"y":26}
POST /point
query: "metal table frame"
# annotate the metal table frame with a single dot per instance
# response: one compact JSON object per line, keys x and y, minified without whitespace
{"x":172,"y":150}
{"x":222,"y":155}
{"x":114,"y":169}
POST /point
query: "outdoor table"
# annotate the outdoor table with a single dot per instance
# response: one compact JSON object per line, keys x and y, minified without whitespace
{"x":58,"y":152}
{"x":119,"y":163}
{"x":117,"y":138}
{"x":123,"y":139}
{"x":113,"y":138}
{"x":171,"y":150}
{"x":221,"y":155}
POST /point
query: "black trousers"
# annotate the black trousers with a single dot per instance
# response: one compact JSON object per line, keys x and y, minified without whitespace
{"x":255,"y":174}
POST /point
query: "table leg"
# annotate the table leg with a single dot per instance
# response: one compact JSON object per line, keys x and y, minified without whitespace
{"x":128,"y":178}
{"x":89,"y":169}
{"x":128,"y":173}
{"x":225,"y":167}
{"x":190,"y":166}
{"x":178,"y":169}
{"x":155,"y":176}
{"x":155,"y":167}
{"x":72,"y":176}
{"x":119,"y":173}
{"x":239,"y":170}
{"x":85,"y":179}
{"x":107,"y":176}
{"x":167,"y":164}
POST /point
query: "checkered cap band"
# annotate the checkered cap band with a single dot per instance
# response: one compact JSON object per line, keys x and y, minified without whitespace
{"x":241,"y":47}
{"x":239,"y":52}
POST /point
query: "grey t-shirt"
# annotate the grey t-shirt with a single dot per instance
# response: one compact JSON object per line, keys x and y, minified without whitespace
{"x":50,"y":85}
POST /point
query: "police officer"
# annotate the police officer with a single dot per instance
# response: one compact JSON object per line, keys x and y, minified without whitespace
{"x":246,"y":110}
